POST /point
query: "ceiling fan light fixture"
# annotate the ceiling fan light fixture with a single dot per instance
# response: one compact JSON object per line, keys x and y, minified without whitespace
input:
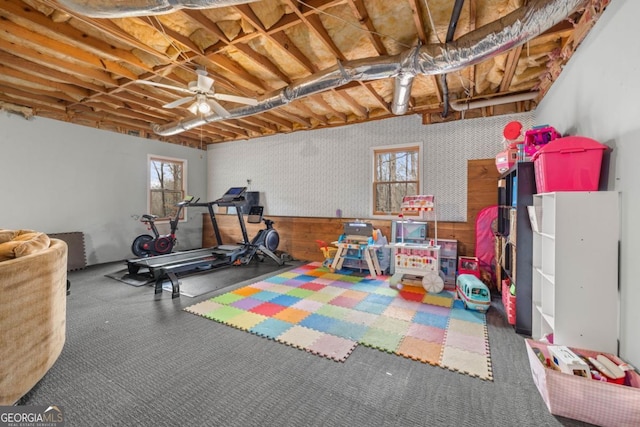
{"x":203,"y":107}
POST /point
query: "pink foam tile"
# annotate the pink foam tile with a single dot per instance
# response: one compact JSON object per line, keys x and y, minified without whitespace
{"x":261,"y":285}
{"x":332,"y":347}
{"x":474,"y":344}
{"x":426,"y":333}
{"x":342,"y":301}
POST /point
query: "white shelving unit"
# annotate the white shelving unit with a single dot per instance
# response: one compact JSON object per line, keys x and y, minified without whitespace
{"x":575,"y":269}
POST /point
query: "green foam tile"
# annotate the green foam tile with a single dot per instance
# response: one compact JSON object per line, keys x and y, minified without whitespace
{"x":334,"y":311}
{"x":381,"y":339}
{"x":227,"y":298}
{"x":223,"y":314}
{"x":300,"y":293}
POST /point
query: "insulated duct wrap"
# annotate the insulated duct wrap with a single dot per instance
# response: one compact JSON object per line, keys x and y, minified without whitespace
{"x":131,"y":8}
{"x":495,"y":38}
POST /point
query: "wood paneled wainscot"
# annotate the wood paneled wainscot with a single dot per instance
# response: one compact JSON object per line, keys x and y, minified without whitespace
{"x":298,"y":234}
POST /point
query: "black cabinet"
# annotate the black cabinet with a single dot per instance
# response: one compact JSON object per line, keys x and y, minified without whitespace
{"x":516,"y":188}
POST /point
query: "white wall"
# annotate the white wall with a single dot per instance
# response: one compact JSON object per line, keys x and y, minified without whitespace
{"x":57,"y":177}
{"x":597,"y":96}
{"x":315,"y":173}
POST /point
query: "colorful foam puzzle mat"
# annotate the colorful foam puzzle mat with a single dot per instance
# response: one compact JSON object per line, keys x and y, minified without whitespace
{"x":329,"y":313}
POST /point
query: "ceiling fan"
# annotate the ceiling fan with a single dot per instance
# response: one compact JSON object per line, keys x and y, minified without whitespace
{"x":201,"y":92}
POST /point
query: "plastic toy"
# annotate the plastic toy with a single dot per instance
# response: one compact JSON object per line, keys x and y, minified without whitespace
{"x":537,"y":137}
{"x":567,"y":361}
{"x":507,"y":158}
{"x":473,"y":293}
{"x":469,"y":265}
{"x":357,"y":243}
{"x":329,"y":252}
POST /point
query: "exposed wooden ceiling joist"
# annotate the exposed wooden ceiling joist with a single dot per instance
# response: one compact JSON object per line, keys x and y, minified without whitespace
{"x":60,"y":64}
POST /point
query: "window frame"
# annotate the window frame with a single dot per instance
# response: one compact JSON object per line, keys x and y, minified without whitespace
{"x":415,"y":146}
{"x":153,"y":157}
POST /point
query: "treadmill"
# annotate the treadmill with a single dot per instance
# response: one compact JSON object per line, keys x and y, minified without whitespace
{"x":170,"y":266}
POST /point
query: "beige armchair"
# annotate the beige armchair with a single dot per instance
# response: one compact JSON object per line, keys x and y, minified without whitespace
{"x":33,"y":289}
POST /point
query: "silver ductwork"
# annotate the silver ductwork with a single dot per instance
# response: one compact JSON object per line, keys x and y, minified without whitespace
{"x":130,"y":8}
{"x":497,"y":37}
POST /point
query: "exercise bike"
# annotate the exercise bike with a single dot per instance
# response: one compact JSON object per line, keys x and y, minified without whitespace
{"x":265,"y":242}
{"x":146,"y":245}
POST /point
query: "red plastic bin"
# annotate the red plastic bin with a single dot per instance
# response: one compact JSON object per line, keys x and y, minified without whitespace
{"x":571,"y":163}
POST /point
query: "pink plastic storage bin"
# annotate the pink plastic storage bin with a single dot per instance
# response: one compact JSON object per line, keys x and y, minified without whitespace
{"x":569,"y":164}
{"x":509,"y":302}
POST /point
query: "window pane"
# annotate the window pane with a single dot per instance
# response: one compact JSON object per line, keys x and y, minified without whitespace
{"x":163,"y":203}
{"x":396,"y":175}
{"x":167,"y":186}
{"x":383,"y":199}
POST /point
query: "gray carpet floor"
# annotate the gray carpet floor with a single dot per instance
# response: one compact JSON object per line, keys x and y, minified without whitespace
{"x":131,"y":359}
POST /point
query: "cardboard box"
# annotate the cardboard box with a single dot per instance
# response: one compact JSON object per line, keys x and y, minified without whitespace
{"x":592,"y":401}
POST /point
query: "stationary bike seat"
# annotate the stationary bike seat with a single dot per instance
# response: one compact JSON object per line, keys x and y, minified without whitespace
{"x":147,"y":217}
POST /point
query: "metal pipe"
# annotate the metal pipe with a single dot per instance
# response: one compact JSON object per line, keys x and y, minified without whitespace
{"x":453,"y":23}
{"x":512,"y":30}
{"x":462,"y":105}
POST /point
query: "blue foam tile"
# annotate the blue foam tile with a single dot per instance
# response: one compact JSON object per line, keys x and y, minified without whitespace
{"x":379,"y":299}
{"x":371,"y":307}
{"x":468,"y":315}
{"x":430,"y":319}
{"x":457,"y":303}
{"x":364,"y":287}
{"x":375,"y":282}
{"x":306,"y":278}
{"x":318,"y":322}
{"x":277,"y":279}
{"x":285,"y":300}
{"x":271,"y":328}
{"x":265,"y":295}
{"x":348,"y":330}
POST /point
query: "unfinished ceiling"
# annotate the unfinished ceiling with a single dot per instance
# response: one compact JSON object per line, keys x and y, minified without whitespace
{"x":308,"y":64}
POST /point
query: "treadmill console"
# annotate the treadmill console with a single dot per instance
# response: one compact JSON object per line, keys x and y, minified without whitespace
{"x":232,"y":196}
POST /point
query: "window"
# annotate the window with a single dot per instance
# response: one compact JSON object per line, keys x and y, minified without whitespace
{"x":396,"y":174}
{"x":167,"y":186}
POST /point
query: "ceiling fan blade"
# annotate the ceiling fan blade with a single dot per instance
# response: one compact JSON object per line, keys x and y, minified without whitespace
{"x":178,"y":102}
{"x":164,"y":86}
{"x":234,"y":98}
{"x":219,"y":109}
{"x":204,"y":83}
